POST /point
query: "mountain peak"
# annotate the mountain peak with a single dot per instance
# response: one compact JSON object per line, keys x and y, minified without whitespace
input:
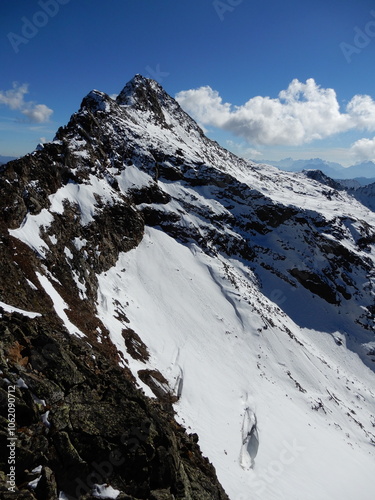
{"x":139,"y":92}
{"x":96,"y":101}
{"x":149,"y":99}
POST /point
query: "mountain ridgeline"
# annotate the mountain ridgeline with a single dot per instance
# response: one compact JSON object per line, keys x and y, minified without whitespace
{"x":157,"y":291}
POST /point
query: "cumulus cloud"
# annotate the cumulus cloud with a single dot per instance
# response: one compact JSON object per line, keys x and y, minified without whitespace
{"x":14,"y":98}
{"x":242,"y":150}
{"x":361,"y":109}
{"x":364,"y":149}
{"x":38,"y":113}
{"x":300,"y":114}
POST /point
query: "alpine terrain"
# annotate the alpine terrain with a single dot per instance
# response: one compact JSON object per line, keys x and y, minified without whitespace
{"x":179,"y":323}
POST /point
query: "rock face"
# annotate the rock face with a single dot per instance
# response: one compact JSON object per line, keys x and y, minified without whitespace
{"x":71,"y":209}
{"x":81,"y":422}
{"x":365,"y":194}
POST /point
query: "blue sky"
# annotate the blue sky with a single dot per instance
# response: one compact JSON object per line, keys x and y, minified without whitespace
{"x":267,"y":79}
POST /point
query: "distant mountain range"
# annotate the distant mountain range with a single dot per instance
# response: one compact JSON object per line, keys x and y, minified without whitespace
{"x":363,"y":172}
{"x":5,"y":159}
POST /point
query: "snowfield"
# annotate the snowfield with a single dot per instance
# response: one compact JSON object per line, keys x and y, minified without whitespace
{"x":238,"y":369}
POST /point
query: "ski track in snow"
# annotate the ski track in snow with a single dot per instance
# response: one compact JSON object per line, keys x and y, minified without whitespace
{"x":226,"y":294}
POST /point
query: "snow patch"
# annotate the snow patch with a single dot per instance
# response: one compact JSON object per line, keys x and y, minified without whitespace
{"x":29,"y":231}
{"x":104,"y":491}
{"x":59,"y":305}
{"x":12,"y":309}
{"x":68,"y":253}
{"x":79,"y":243}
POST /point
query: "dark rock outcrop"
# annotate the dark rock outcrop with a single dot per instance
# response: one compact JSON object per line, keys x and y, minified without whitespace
{"x":81,"y":422}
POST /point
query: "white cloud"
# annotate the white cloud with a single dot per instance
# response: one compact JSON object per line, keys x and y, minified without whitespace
{"x":15,"y":99}
{"x":38,"y":113}
{"x":364,"y":149}
{"x":242,"y":150}
{"x":362,"y":111}
{"x":300,"y":114}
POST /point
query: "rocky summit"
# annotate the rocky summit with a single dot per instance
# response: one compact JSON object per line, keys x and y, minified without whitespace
{"x":177,"y":322}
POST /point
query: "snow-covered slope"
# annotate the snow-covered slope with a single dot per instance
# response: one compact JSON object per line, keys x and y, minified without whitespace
{"x":252,"y":291}
{"x":366,"y":195}
{"x":240,"y":360}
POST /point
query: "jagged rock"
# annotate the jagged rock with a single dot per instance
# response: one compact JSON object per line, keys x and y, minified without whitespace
{"x":315,"y":284}
{"x":100,"y":427}
{"x":46,"y":488}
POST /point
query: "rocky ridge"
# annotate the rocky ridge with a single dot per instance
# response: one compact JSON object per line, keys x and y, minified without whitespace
{"x":81,"y":420}
{"x":81,"y":423}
